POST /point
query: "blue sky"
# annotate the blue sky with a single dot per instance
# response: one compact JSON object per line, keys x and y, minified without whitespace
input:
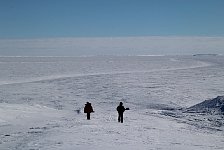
{"x":106,"y":18}
{"x":101,"y":27}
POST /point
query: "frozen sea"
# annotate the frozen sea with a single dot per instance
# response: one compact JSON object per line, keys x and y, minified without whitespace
{"x":42,"y":100}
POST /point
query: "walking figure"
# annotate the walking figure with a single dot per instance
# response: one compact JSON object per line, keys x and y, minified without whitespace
{"x":88,"y":109}
{"x":120,"y":110}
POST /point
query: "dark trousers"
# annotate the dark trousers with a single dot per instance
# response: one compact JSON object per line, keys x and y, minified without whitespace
{"x":120,"y":117}
{"x":88,"y":116}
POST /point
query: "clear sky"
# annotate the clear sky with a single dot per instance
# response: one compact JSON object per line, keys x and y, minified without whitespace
{"x":94,"y":18}
{"x":50,"y":19}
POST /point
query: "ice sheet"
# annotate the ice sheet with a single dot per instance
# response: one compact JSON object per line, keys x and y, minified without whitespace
{"x":41,"y":97}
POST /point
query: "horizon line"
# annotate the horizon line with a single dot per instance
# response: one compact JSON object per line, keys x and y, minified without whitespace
{"x":101,"y":37}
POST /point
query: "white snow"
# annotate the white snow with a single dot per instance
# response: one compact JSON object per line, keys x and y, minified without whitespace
{"x":39,"y":102}
{"x":21,"y":113}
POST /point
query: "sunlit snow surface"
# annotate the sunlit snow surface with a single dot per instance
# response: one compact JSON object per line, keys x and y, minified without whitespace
{"x":40,"y":98}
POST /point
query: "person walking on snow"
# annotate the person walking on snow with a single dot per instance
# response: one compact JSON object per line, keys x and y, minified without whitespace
{"x":120,"y":110}
{"x":88,"y":109}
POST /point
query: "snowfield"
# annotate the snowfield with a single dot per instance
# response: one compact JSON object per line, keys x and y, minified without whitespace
{"x":42,"y":100}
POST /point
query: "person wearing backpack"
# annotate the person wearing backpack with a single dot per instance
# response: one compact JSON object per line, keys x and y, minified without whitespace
{"x":88,"y":109}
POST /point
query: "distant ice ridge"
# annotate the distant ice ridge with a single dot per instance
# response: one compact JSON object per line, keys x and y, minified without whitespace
{"x":152,"y":55}
{"x":207,"y":55}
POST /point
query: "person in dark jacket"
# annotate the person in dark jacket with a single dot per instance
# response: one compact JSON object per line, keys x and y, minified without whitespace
{"x":88,"y":109}
{"x":120,"y":110}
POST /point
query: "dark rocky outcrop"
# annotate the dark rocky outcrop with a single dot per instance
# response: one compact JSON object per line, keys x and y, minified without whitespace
{"x":215,"y":105}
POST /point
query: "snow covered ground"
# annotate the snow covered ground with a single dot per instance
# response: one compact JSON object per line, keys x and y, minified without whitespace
{"x":40,"y":100}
